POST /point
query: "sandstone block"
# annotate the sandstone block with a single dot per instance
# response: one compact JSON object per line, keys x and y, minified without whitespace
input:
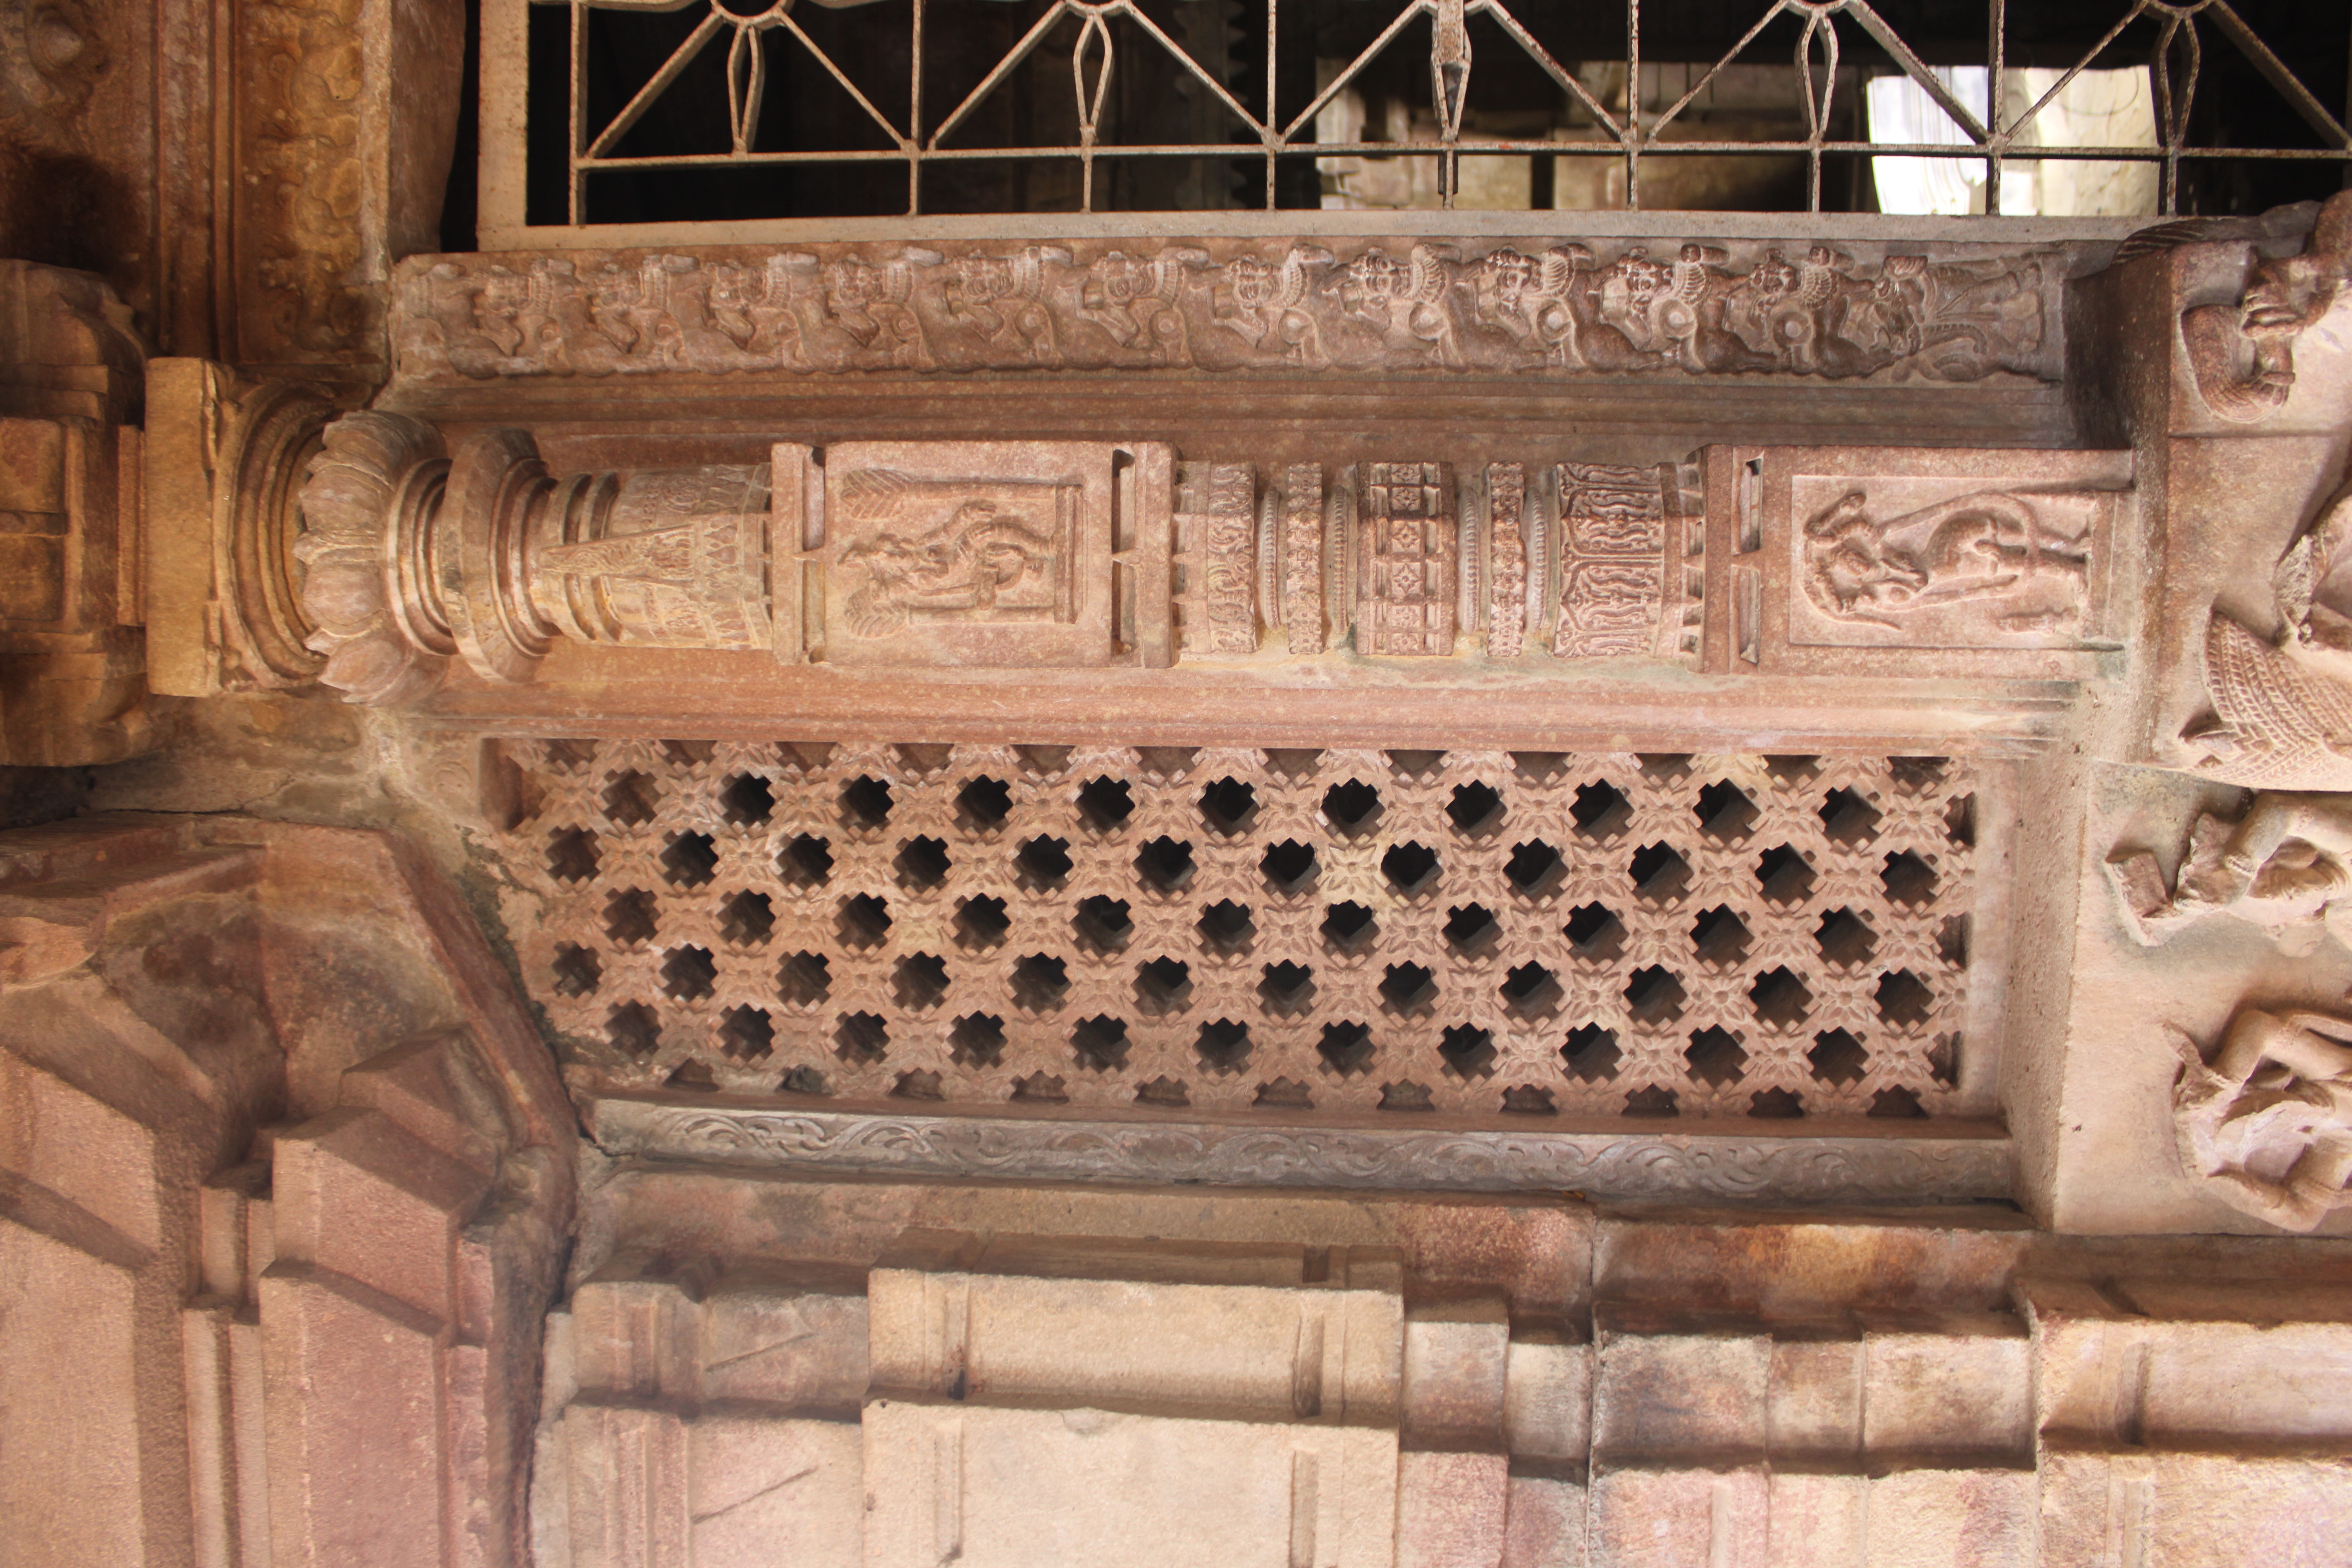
{"x":1678,"y":1517}
{"x":1543,"y":1524}
{"x":1456,"y":1359}
{"x":1451,"y":1508}
{"x":1673,"y":1386}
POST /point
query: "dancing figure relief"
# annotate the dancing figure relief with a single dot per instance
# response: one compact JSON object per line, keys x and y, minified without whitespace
{"x":2267,"y":1123}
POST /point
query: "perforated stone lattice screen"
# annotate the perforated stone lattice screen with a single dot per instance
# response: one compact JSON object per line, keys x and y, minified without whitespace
{"x":1475,"y":932}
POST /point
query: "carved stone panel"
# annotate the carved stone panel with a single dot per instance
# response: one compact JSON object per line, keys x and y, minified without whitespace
{"x":1507,"y":559}
{"x":1216,"y":558}
{"x":1887,"y":560}
{"x":1407,"y":557}
{"x":978,"y":553}
{"x":1629,"y":579}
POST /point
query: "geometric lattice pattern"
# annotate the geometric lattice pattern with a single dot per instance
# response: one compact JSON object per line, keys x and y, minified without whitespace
{"x":1475,"y":932}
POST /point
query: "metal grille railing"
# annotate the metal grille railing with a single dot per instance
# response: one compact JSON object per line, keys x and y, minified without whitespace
{"x":1252,"y":123}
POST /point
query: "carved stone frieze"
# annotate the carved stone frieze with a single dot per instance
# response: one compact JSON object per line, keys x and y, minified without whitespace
{"x":1629,"y":582}
{"x":2268,"y":1123}
{"x":1674,"y":1167}
{"x":1221,"y":305}
{"x":1507,"y":559}
{"x":1409,"y":554}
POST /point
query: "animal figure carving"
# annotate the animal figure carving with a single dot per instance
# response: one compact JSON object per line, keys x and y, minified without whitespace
{"x":1859,"y":568}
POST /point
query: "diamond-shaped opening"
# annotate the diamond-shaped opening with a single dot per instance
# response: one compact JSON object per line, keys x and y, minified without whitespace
{"x":804,"y":979}
{"x":1960,"y":820}
{"x":1775,"y":1105}
{"x":690,"y":860}
{"x":632,"y":799}
{"x":1789,"y":772}
{"x":1043,"y":762}
{"x":980,"y":923}
{"x":1104,"y":803}
{"x":1848,"y":818}
{"x":1590,"y":1055}
{"x":746,"y":1034}
{"x":746,"y":920}
{"x":864,"y":803}
{"x":1165,"y":864}
{"x":1409,"y":869}
{"x":1228,"y":806}
{"x":924,"y":758}
{"x":1099,"y":1042}
{"x":577,"y":970}
{"x":1416,"y":766}
{"x":747,"y":800}
{"x":1163,"y":1093}
{"x":1659,"y":873}
{"x":1653,"y":996}
{"x":1346,"y":1048}
{"x":1540,"y":767}
{"x":1290,"y":866}
{"x":1899,"y":1103}
{"x":803,"y":1080}
{"x":571,"y":854}
{"x":629,"y":918}
{"x":1039,"y":982}
{"x":1952,"y":940}
{"x":1163,"y":985}
{"x":1225,"y":928}
{"x":1667,"y":768}
{"x":1287,"y":989}
{"x":1595,"y":934}
{"x":1101,"y":923}
{"x":1784,"y":874}
{"x":1909,"y":880}
{"x":803,"y":758}
{"x":1223,"y":1045}
{"x":1469,"y":1050}
{"x":921,"y":863}
{"x":982,"y":804}
{"x":1716,"y":1057}
{"x":1531,"y":990}
{"x":1352,"y":808}
{"x":632,"y":1029}
{"x":1837,"y":1058}
{"x":1724,"y":811}
{"x":1904,"y":999}
{"x":806,"y":862}
{"x":1166,"y":764}
{"x":1721,"y":938}
{"x":1527,"y":1100}
{"x":1405,"y":1097}
{"x":1041,"y":1088}
{"x":860,"y":1037}
{"x":1918,"y":775}
{"x":1536,"y":869}
{"x":1943,"y":1060}
{"x":1601,"y":810}
{"x":864,"y":921}
{"x":1041,"y":863}
{"x":918,"y":1086}
{"x":1477,"y":809}
{"x":1654,"y":1100}
{"x":920,"y":981}
{"x":976,"y":1040}
{"x":1348,"y":928}
{"x":1407,"y":988}
{"x":1845,"y":939}
{"x":1472,"y":931}
{"x":567,"y":756}
{"x":689,"y":973}
{"x":1780,"y":998}
{"x":1284,"y":1094}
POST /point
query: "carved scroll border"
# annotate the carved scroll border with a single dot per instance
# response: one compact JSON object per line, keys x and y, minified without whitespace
{"x":1647,"y":1166}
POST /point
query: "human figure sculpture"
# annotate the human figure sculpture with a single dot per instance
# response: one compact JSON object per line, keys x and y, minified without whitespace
{"x":2285,"y":866}
{"x":2268,"y":1123}
{"x":2242,"y":355}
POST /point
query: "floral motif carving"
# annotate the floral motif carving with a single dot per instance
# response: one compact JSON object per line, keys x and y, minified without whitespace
{"x":1440,"y":308}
